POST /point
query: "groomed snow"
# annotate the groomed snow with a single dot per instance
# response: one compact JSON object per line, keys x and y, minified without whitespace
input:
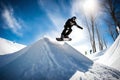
{"x":49,"y":60}
{"x":97,"y":72}
{"x":7,"y":47}
{"x":112,"y":55}
{"x":43,"y":60}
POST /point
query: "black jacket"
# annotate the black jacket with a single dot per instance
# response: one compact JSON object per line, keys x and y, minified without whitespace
{"x":69,"y":23}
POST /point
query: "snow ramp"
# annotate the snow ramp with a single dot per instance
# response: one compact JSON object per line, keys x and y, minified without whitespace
{"x":43,"y":60}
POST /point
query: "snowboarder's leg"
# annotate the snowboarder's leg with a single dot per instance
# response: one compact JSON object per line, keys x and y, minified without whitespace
{"x":63,"y":33}
{"x":68,"y":33}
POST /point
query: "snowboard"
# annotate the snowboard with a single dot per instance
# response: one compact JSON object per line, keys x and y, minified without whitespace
{"x":63,"y":39}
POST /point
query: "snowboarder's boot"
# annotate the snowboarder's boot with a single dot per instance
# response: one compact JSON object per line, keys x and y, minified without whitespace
{"x":62,"y":36}
{"x":66,"y":36}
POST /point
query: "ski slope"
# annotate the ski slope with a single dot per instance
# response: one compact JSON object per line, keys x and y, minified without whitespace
{"x":112,"y":55}
{"x":49,"y":60}
{"x":96,"y":56}
{"x":7,"y":47}
{"x":97,"y":72}
{"x":43,"y":60}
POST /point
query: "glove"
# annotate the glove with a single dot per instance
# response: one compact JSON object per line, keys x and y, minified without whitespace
{"x":80,"y":27}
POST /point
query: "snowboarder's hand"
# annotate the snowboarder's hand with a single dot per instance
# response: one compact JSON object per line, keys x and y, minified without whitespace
{"x":80,"y":27}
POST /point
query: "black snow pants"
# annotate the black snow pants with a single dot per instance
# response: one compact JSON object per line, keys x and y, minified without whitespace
{"x":67,"y":30}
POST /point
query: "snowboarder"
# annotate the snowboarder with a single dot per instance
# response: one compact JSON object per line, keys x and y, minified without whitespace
{"x":85,"y":52}
{"x":90,"y":51}
{"x":68,"y":28}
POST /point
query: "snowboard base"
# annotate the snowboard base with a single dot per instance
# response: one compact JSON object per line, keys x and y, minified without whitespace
{"x":63,"y":39}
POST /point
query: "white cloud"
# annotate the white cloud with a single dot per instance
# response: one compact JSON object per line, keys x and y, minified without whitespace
{"x":57,"y":20}
{"x":11,"y":21}
{"x":53,"y":13}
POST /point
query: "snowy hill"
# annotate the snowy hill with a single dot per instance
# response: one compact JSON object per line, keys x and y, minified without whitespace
{"x":7,"y":46}
{"x":94,"y":57}
{"x":43,"y":60}
{"x":97,"y":72}
{"x":112,"y":55}
{"x":110,"y":58}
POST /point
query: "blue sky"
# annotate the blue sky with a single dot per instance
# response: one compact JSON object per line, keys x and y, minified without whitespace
{"x":23,"y":20}
{"x":26,"y":21}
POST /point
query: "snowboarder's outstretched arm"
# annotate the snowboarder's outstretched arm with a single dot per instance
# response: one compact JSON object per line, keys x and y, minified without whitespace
{"x":79,"y":26}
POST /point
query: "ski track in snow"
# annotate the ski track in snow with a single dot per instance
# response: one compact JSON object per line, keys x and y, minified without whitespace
{"x":97,"y":72}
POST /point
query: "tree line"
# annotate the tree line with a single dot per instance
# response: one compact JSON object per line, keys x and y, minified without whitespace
{"x":108,"y":15}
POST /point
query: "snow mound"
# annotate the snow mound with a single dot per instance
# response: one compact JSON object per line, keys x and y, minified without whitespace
{"x":43,"y":60}
{"x":112,"y":56}
{"x":97,"y":72}
{"x":7,"y":46}
{"x":94,"y":57}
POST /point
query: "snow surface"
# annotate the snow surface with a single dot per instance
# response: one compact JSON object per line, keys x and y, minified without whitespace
{"x":96,"y":56}
{"x":97,"y":72}
{"x":112,"y":55}
{"x":49,"y":60}
{"x":43,"y":60}
{"x":7,"y":46}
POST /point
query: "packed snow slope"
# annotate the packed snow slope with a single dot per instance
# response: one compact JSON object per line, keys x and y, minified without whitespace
{"x":7,"y":46}
{"x":109,"y":71}
{"x":112,"y":56}
{"x":97,"y":72}
{"x":43,"y":60}
{"x":95,"y":56}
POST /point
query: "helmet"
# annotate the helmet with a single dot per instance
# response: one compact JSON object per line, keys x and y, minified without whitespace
{"x":74,"y":17}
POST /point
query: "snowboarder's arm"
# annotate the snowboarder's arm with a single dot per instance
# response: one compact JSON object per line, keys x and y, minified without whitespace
{"x":79,"y":26}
